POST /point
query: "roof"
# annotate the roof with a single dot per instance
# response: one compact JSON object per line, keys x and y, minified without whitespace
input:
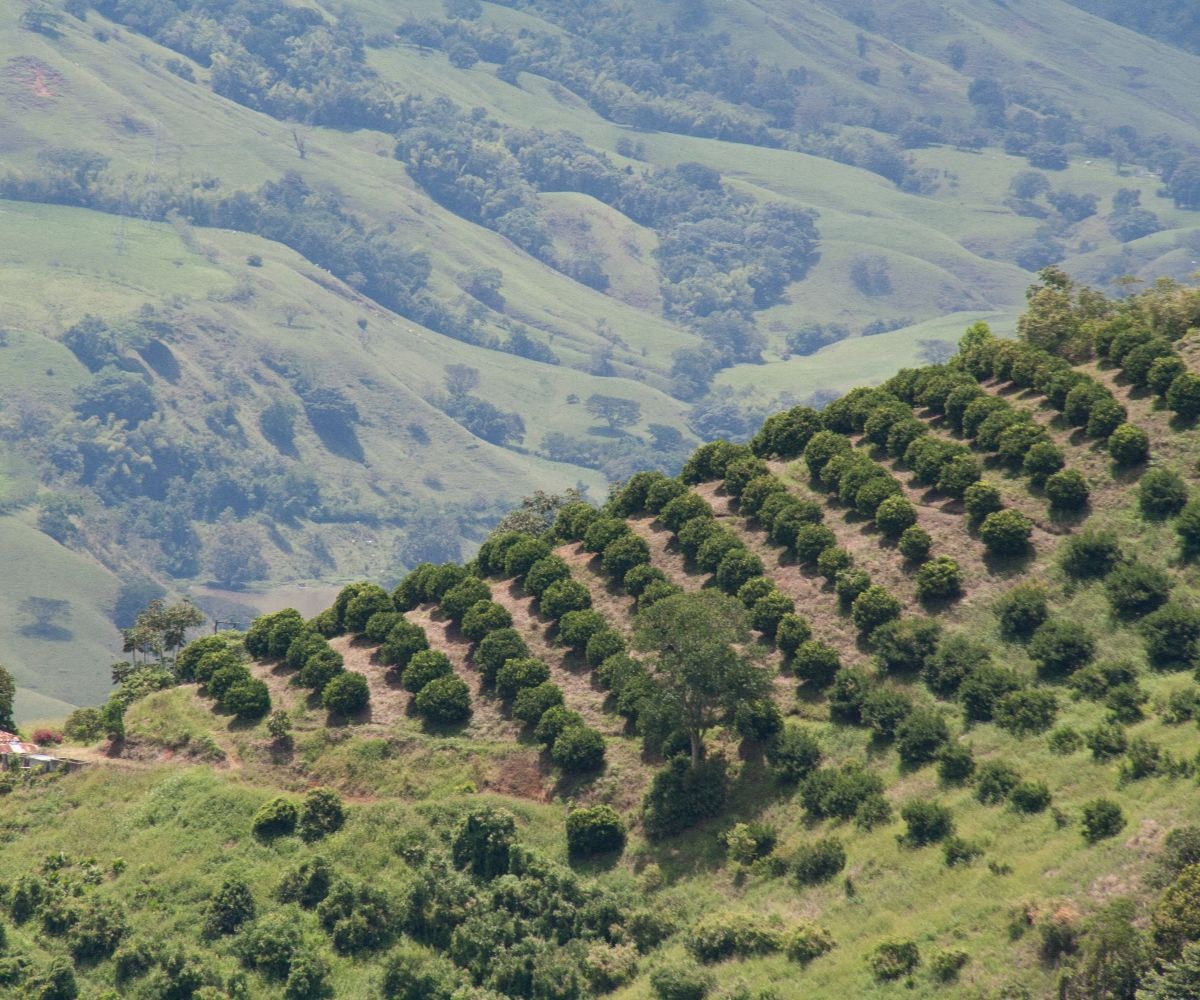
{"x":11,"y":743}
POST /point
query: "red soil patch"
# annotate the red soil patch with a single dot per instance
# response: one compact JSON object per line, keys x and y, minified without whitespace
{"x":34,"y":80}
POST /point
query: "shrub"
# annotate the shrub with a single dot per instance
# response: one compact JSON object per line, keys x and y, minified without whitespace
{"x":496,"y":649}
{"x":735,"y":568}
{"x":753,"y":589}
{"x":894,"y":516}
{"x":850,"y":583}
{"x":1090,"y":554}
{"x":483,"y":618}
{"x":681,"y":795}
{"x":1060,"y":647}
{"x":958,"y":475}
{"x":83,"y":725}
{"x":821,"y":447}
{"x":914,"y":544}
{"x":719,"y":936}
{"x":957,"y":851}
{"x":414,"y":973}
{"x":1134,"y":589}
{"x":276,"y":818}
{"x":1101,"y":818}
{"x":747,"y":842}
{"x":894,"y":959}
{"x":873,"y":607}
{"x":544,"y":572}
{"x":656,"y":592}
{"x":593,"y":830}
{"x":346,"y":693}
{"x":874,"y":493}
{"x":679,"y":980}
{"x":946,"y":965}
{"x":1021,"y":611}
{"x":884,"y":708}
{"x":425,"y":666}
{"x":1170,"y":634}
{"x":994,"y":782}
{"x":1105,"y":417}
{"x":847,"y":693}
{"x":793,"y":753}
{"x":575,"y":628}
{"x":696,"y":532}
{"x":640,"y":577}
{"x":623,"y":554}
{"x":532,"y":702}
{"x":682,"y":509}
{"x":1067,"y":490}
{"x":815,"y":662}
{"x":321,"y":814}
{"x":225,"y":678}
{"x":661,"y":492}
{"x":563,"y":596}
{"x":757,"y":720}
{"x":1106,"y":741}
{"x":520,"y":673}
{"x":1065,"y":740}
{"x":231,"y":908}
{"x":521,"y":556}
{"x":378,"y":626}
{"x":715,"y":548}
{"x":248,"y":699}
{"x":956,"y":763}
{"x":1042,"y":461}
{"x":460,"y":598}
{"x":405,"y":639}
{"x":1030,"y":797}
{"x":602,"y":532}
{"x":818,"y":861}
{"x":757,"y":491}
{"x":811,"y":540}
{"x":1183,"y":395}
{"x":1128,"y":445}
{"x":553,"y":721}
{"x":1162,"y":492}
{"x":769,"y":611}
{"x":1006,"y":532}
{"x":791,"y":632}
{"x":483,"y":841}
{"x":805,"y":942}
{"x":784,"y":520}
{"x":939,"y":578}
{"x":982,"y":500}
{"x":578,"y":749}
{"x":444,"y":701}
{"x":603,"y":644}
{"x":928,"y":822}
{"x":904,"y":644}
{"x":832,"y":561}
{"x":1031,"y":710}
{"x":920,"y":735}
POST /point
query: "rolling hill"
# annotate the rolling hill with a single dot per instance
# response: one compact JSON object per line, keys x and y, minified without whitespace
{"x":142,"y":178}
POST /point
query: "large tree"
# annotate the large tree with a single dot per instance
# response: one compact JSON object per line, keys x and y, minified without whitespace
{"x":694,"y":639}
{"x":614,"y":410}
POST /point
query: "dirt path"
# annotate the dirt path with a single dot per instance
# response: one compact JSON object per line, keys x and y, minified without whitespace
{"x":664,"y":556}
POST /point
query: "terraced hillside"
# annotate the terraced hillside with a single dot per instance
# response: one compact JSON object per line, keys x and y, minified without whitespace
{"x":897,"y":699}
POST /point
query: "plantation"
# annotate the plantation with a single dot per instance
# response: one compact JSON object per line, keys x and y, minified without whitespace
{"x":727,"y":735}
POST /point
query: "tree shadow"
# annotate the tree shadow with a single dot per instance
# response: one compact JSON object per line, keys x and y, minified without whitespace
{"x":162,"y":360}
{"x":46,"y":631}
{"x":1009,"y":565}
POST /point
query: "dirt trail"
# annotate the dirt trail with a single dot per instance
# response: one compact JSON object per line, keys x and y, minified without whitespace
{"x":663,"y":556}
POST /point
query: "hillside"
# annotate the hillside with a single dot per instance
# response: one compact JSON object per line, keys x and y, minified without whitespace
{"x":898,"y":699}
{"x":794,"y":199}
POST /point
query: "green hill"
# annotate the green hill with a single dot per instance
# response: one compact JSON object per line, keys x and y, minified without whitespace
{"x":948,"y":752}
{"x":146,"y":159}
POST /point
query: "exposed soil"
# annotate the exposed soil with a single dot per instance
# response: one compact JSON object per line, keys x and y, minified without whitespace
{"x":32,"y":80}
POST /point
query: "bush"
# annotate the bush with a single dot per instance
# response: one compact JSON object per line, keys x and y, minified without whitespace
{"x":884,"y":708}
{"x":1107,"y":741}
{"x":248,"y":699}
{"x":757,"y":720}
{"x":553,"y":721}
{"x":578,"y":749}
{"x":791,"y":632}
{"x":521,"y":673}
{"x":405,"y":639}
{"x":832,"y":561}
{"x":483,"y":618}
{"x":661,"y":492}
{"x":956,"y":763}
{"x":231,"y":906}
{"x":1134,"y":589}
{"x":994,"y":782}
{"x":1021,"y":611}
{"x":1183,"y":395}
{"x":603,"y":644}
{"x":544,"y":572}
{"x":1128,"y":445}
{"x":928,"y":822}
{"x":682,"y":509}
{"x":850,"y":583}
{"x":805,"y":942}
{"x":1030,"y":797}
{"x":1170,"y":634}
{"x":531,"y":703}
{"x":818,"y":861}
{"x":575,"y":628}
{"x":811,"y":540}
{"x":523,"y":554}
{"x":846,"y":695}
{"x":958,"y":475}
{"x":276,"y":818}
{"x":496,"y":649}
{"x":1162,"y":492}
{"x":1067,"y":490}
{"x":414,"y":973}
{"x":939,"y":578}
{"x":982,"y":500}
{"x":735,"y":568}
{"x":1105,"y":417}
{"x":875,"y":492}
{"x":444,"y":701}
{"x":679,"y":980}
{"x":1060,"y":647}
{"x":894,"y":516}
{"x":622,"y":555}
{"x":957,"y":851}
{"x":681,"y":795}
{"x":640,"y":577}
{"x":914,"y":544}
{"x":425,"y":666}
{"x":378,"y":626}
{"x":894,"y":959}
{"x":1090,"y":554}
{"x":815,"y":663}
{"x":920,"y":735}
{"x":1031,"y":710}
{"x":793,"y":753}
{"x":1065,"y":740}
{"x":696,"y":532}
{"x":1042,"y":461}
{"x":873,"y":607}
{"x":1006,"y":532}
{"x":719,"y":936}
{"x":83,"y":725}
{"x":460,"y":598}
{"x":593,"y":830}
{"x":946,"y":965}
{"x":321,"y":814}
{"x":602,"y":532}
{"x":769,"y":611}
{"x":904,"y":644}
{"x":1102,"y":818}
{"x":563,"y":596}
{"x":346,"y":694}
